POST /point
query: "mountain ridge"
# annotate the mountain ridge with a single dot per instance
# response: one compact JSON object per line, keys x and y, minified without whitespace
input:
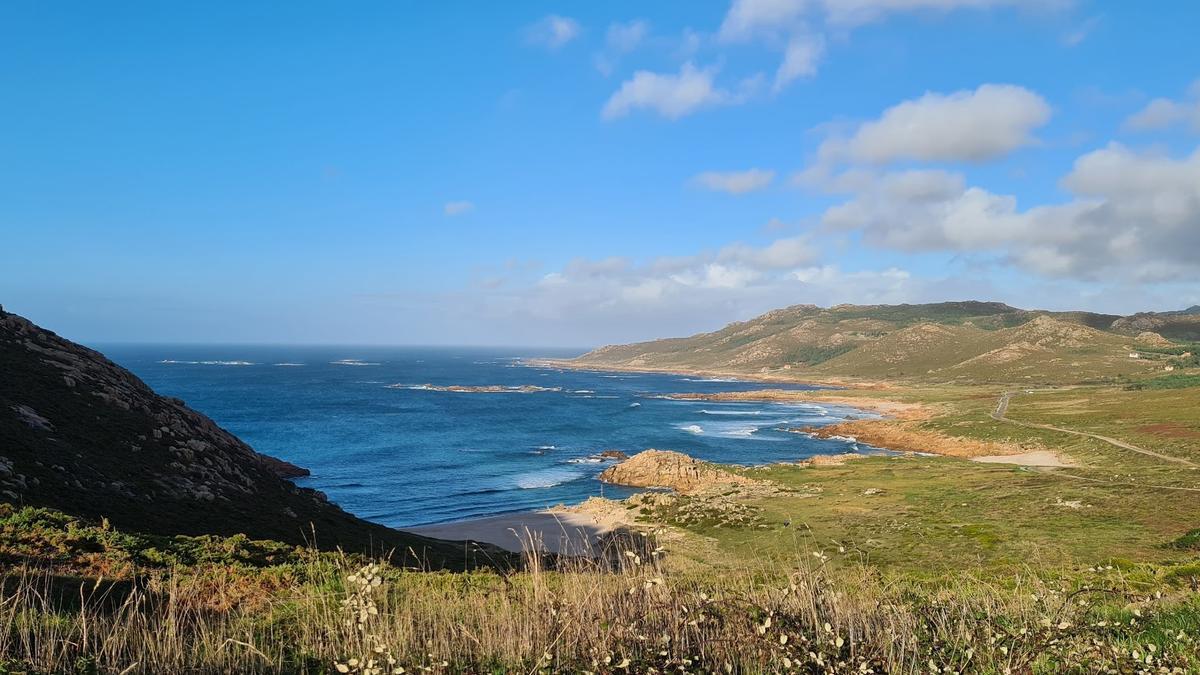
{"x":960,"y":340}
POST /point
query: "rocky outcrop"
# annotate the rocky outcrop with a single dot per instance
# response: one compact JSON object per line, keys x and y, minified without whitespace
{"x":80,"y":434}
{"x":672,"y":470}
{"x":1153,"y":339}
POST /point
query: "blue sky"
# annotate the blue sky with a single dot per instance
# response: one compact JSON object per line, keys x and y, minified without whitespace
{"x":583,"y":173}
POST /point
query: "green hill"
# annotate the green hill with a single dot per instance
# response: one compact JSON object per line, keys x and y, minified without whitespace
{"x":949,"y":341}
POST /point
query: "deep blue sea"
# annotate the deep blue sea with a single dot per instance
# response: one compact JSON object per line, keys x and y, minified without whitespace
{"x":387,"y":449}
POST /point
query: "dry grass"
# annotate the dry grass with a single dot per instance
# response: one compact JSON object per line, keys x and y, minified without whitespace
{"x":622,"y":613}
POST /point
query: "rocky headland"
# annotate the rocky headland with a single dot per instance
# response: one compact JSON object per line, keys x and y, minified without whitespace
{"x":82,"y":435}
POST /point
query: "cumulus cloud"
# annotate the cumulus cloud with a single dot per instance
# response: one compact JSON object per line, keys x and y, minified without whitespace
{"x":670,"y":95}
{"x":620,"y":39}
{"x":969,"y":126}
{"x":1162,"y":113}
{"x":618,"y":299}
{"x":553,"y":31}
{"x":457,"y":208}
{"x":849,"y":13}
{"x":735,"y":182}
{"x":733,"y":267}
{"x":800,"y":59}
{"x":1134,"y":216}
{"x":748,"y":18}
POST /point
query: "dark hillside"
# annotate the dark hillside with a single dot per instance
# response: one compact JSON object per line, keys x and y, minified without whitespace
{"x":80,"y":434}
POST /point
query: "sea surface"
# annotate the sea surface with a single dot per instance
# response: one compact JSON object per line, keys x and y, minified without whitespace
{"x":384,"y":444}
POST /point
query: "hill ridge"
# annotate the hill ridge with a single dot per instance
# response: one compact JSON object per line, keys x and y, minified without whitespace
{"x":80,"y":434}
{"x":969,"y":339}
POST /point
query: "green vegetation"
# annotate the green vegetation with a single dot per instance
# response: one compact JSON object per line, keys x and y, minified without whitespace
{"x":896,"y":563}
{"x":953,"y":342}
{"x":1173,"y":381}
{"x":885,"y":564}
{"x":634,"y":612}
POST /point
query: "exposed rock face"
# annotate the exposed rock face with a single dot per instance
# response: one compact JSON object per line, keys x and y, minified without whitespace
{"x":1153,"y":339}
{"x":668,"y":469}
{"x":80,"y":434}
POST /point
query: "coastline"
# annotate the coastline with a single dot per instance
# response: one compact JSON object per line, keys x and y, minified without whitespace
{"x":579,"y":529}
{"x":563,"y":530}
{"x":776,"y":377}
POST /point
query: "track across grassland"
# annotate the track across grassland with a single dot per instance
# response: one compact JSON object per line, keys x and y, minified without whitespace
{"x":1001,"y":414}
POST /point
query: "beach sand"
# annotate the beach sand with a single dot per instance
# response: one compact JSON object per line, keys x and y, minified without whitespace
{"x":556,"y":531}
{"x":1035,"y":458}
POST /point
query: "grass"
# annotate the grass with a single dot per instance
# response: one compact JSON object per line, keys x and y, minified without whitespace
{"x":1172,"y":381}
{"x":636,"y":612}
{"x":888,"y":564}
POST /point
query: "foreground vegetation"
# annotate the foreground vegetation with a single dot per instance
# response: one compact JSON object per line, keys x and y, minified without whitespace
{"x":901,"y":563}
{"x":633,"y":611}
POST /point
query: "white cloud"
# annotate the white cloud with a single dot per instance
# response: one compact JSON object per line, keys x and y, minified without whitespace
{"x":625,"y":37}
{"x":1077,"y":35}
{"x":672,"y":96}
{"x":616,"y":297}
{"x":747,"y":18}
{"x":620,"y":39}
{"x":458,"y":208}
{"x":735,"y":182}
{"x":971,"y":126}
{"x":553,"y":31}
{"x":800,"y":59}
{"x":849,"y":13}
{"x":1134,"y":216}
{"x":780,"y":254}
{"x":1162,"y":113}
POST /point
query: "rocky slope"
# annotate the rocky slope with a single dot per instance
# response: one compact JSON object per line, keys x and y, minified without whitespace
{"x":947,"y":341}
{"x":80,"y":434}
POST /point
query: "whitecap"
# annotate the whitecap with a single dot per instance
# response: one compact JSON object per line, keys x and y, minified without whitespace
{"x":546,"y":478}
{"x":208,"y":363}
{"x":692,"y":429}
{"x":352,"y":362}
{"x":635,"y":404}
{"x":288,"y":364}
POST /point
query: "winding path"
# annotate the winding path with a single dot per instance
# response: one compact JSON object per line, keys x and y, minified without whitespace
{"x":1001,"y":414}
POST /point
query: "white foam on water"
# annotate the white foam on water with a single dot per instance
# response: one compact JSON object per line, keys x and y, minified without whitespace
{"x":352,"y":362}
{"x":208,"y":363}
{"x":545,"y":478}
{"x":290,"y":365}
{"x":711,"y":379}
{"x":691,"y":428}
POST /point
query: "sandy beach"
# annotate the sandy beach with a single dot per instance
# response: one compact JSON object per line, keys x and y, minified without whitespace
{"x":557,"y":531}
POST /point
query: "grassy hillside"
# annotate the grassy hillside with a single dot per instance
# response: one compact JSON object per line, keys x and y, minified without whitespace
{"x":953,"y":341}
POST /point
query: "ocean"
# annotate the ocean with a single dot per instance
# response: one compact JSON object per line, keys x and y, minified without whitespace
{"x":385,"y":444}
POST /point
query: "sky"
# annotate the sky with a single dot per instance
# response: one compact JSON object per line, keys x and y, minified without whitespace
{"x":577,"y":174}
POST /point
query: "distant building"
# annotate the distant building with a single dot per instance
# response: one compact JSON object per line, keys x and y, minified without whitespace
{"x":1134,"y":355}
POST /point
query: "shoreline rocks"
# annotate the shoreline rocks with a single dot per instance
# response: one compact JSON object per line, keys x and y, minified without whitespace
{"x":671,"y":470}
